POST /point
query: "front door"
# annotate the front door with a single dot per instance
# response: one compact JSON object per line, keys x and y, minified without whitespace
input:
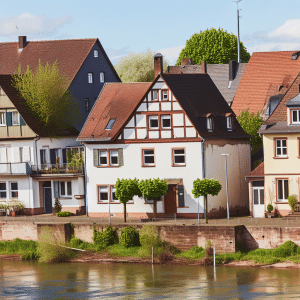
{"x":170,"y":200}
{"x":48,"y":200}
{"x":258,"y":202}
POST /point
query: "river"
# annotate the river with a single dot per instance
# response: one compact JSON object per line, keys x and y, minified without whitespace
{"x":33,"y":280}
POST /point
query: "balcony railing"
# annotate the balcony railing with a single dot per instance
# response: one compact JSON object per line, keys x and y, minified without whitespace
{"x":15,"y":168}
{"x":67,"y":169}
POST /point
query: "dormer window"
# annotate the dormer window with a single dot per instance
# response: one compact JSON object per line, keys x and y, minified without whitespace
{"x":110,"y":124}
{"x":295,"y":116}
{"x":229,"y":123}
{"x":209,"y":124}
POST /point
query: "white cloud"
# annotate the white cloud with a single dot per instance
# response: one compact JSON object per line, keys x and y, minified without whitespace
{"x":171,"y":54}
{"x":32,"y":25}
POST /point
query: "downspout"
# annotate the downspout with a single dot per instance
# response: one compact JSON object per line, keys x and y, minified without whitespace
{"x":203,"y":171}
{"x":84,"y":183}
{"x":36,"y":156}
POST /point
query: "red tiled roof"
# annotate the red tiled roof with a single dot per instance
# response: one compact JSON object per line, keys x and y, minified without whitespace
{"x":116,"y":101}
{"x":258,"y":171}
{"x":265,"y":73}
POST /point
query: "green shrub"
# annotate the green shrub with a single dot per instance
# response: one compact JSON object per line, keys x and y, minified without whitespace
{"x":269,"y":207}
{"x":292,"y":201}
{"x":57,"y":206}
{"x":106,"y":238}
{"x":31,"y":255}
{"x":149,"y":236}
{"x":287,"y":249}
{"x":64,"y":214}
{"x":80,"y":244}
{"x":18,"y":246}
{"x":193,"y":253}
{"x":129,"y":237}
{"x":279,"y":216}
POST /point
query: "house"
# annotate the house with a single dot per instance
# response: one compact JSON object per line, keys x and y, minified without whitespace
{"x":279,"y":173}
{"x":226,"y":77}
{"x":34,"y":167}
{"x":175,"y":128}
{"x":266,"y":79}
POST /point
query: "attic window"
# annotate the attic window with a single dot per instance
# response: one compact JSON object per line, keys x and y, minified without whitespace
{"x":96,"y":53}
{"x":209,"y":124}
{"x":110,"y":124}
{"x":229,"y":123}
{"x":295,"y":55}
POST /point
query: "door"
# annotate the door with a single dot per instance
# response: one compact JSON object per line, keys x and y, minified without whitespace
{"x":170,"y":200}
{"x":48,"y":200}
{"x":258,"y":202}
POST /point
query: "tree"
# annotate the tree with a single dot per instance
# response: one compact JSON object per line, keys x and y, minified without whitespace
{"x":153,"y":189}
{"x":206,"y":187}
{"x":214,"y":46}
{"x":126,"y":189}
{"x":137,"y":67}
{"x":46,"y":95}
{"x":251,"y":122}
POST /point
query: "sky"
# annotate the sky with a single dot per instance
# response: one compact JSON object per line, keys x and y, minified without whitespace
{"x":161,"y":26}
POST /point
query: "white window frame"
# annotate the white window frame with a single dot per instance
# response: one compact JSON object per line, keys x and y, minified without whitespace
{"x":90,"y":77}
{"x":148,"y":155}
{"x":229,"y":123}
{"x":153,"y":118}
{"x":177,"y":155}
{"x":281,"y":182}
{"x":14,"y":190}
{"x":280,"y":147}
{"x":152,"y":95}
{"x":103,"y":153}
{"x":113,"y":190}
{"x":113,"y":153}
{"x":102,"y":77}
{"x":2,"y":118}
{"x":102,"y":189}
{"x":96,"y":53}
{"x":163,"y":94}
{"x":3,"y":191}
{"x":165,"y":117}
{"x":65,"y":184}
{"x":15,"y":120}
{"x":297,"y":121}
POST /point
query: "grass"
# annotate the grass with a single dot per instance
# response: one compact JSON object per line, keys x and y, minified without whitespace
{"x":28,"y":249}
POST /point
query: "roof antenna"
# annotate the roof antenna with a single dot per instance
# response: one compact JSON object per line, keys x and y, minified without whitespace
{"x":238,"y":31}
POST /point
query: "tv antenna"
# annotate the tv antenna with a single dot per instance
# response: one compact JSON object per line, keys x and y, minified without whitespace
{"x":238,"y":31}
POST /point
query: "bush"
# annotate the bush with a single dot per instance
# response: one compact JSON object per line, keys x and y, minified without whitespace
{"x":287,"y":249}
{"x":292,"y":201}
{"x":149,"y":237}
{"x":129,"y":237}
{"x":193,"y":253}
{"x":269,"y":207}
{"x":57,"y":206}
{"x":106,"y":238}
{"x":26,"y":248}
{"x":64,"y":214}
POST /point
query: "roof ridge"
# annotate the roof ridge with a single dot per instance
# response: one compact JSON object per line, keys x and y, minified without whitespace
{"x":42,"y":41}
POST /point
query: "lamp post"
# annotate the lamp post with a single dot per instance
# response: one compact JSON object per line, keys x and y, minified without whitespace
{"x":228,"y":216}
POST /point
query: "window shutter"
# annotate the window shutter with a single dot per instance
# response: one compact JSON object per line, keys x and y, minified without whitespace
{"x":22,"y":122}
{"x":64,"y":155}
{"x":120,"y":155}
{"x":96,"y":157}
{"x":180,"y":191}
{"x":8,"y":119}
{"x":52,"y":157}
{"x":15,"y":154}
{"x":56,"y":189}
{"x":3,"y":155}
{"x":26,"y":154}
{"x":42,"y":156}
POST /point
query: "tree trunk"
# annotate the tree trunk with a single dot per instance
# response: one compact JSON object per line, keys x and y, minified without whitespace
{"x":154,"y":207}
{"x":124,"y":212}
{"x":205,"y":208}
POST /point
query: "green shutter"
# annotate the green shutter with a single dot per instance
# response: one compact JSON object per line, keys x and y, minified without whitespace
{"x":22,"y":122}
{"x":120,"y":155}
{"x":96,"y":157}
{"x":180,"y":191}
{"x":8,"y":119}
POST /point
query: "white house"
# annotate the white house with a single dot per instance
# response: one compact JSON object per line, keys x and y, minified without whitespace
{"x":175,"y":128}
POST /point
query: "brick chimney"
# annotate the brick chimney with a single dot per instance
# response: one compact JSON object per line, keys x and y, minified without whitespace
{"x":233,"y":65}
{"x":203,"y":67}
{"x":158,"y":64}
{"x":22,"y":42}
{"x":186,"y":61}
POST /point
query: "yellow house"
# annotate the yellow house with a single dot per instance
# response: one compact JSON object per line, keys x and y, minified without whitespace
{"x":281,"y":139}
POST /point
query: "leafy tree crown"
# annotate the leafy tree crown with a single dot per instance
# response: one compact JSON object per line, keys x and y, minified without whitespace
{"x":206,"y":187}
{"x":215,"y":46}
{"x":153,"y":188}
{"x":126,"y":189}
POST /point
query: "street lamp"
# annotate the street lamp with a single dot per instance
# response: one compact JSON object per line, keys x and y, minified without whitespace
{"x":226,"y":184}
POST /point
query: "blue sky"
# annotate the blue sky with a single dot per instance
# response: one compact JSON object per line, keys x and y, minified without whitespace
{"x":163,"y":26}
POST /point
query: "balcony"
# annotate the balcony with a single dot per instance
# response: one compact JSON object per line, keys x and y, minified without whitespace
{"x":15,"y":168}
{"x":61,"y":169}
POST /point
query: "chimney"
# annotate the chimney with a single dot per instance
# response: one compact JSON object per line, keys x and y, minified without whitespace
{"x":158,"y":64}
{"x":233,"y":65}
{"x":203,"y":67}
{"x":186,"y":61}
{"x":22,"y":42}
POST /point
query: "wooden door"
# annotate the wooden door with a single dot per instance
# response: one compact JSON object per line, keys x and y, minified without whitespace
{"x":170,"y":200}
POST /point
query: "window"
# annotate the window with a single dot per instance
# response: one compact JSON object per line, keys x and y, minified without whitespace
{"x":209,"y":124}
{"x":15,"y":118}
{"x":282,"y":190}
{"x":13,"y":190}
{"x":295,"y":116}
{"x":109,"y":157}
{"x":281,"y":148}
{"x":86,"y":104}
{"x":103,"y":194}
{"x":2,"y":119}
{"x":229,"y":123}
{"x":165,"y":95}
{"x":166,"y":121}
{"x":101,"y":76}
{"x":65,"y":188}
{"x":110,"y":124}
{"x":178,"y":157}
{"x":148,"y":157}
{"x":44,"y":157}
{"x":90,"y":77}
{"x":2,"y":190}
{"x":154,"y":95}
{"x":96,"y":53}
{"x":153,"y":122}
{"x":113,"y":156}
{"x":113,"y":198}
{"x":103,"y":158}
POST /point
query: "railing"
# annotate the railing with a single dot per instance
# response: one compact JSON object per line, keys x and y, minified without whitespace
{"x":15,"y":168}
{"x":48,"y":169}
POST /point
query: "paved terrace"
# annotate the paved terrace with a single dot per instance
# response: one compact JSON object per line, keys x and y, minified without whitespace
{"x":279,"y":222}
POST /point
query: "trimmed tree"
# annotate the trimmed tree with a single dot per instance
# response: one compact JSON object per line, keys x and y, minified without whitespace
{"x":126,"y":189}
{"x":215,"y":46}
{"x":251,"y":122}
{"x":153,"y":189}
{"x":206,"y":187}
{"x":46,"y":95}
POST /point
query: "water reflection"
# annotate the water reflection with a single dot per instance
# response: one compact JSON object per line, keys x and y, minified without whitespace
{"x":30,"y":280}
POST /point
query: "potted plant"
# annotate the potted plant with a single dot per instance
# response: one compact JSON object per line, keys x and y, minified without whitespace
{"x":15,"y":206}
{"x":269,"y":212}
